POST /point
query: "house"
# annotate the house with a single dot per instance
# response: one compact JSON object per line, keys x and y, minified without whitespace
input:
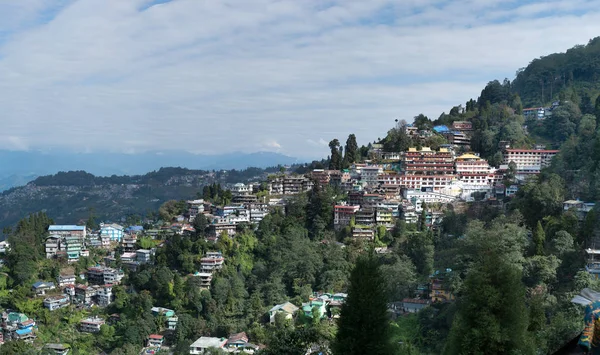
{"x":100,"y":275}
{"x":318,"y":304}
{"x":53,"y":245}
{"x":56,"y":302}
{"x":26,"y":334}
{"x":64,"y":280}
{"x":211,"y":261}
{"x":155,"y":340}
{"x":287,"y":308}
{"x":203,"y":343}
{"x":113,"y":231}
{"x":91,"y":325}
{"x":205,"y":279}
{"x":129,"y":243}
{"x":413,"y":305}
{"x":128,"y":256}
{"x":58,"y":349}
{"x":84,"y":294}
{"x":41,"y":287}
{"x":238,"y":342}
{"x":580,"y":208}
{"x":143,"y":255}
{"x":73,"y":246}
{"x":104,"y":295}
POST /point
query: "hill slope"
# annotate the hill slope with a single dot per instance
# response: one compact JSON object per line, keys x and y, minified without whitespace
{"x":68,"y":197}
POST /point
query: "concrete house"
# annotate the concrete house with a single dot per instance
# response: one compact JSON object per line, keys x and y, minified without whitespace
{"x":288,"y":308}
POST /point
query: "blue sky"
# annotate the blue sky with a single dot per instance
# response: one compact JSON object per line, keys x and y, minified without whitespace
{"x":249,"y":75}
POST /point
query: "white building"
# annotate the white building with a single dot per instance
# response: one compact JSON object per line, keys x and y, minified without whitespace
{"x":241,"y":189}
{"x":370,"y":174}
{"x":203,"y":343}
{"x":91,"y":325}
{"x":529,"y":161}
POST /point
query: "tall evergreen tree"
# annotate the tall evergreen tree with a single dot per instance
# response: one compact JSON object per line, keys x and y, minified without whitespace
{"x":335,"y":162}
{"x":351,"y":154}
{"x":364,"y":324}
{"x":492,"y":317}
{"x":539,"y":237}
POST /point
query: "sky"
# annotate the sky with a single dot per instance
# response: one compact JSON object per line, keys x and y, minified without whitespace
{"x":216,"y":76}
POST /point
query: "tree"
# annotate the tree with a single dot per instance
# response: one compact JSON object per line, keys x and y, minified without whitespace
{"x":351,"y":154}
{"x":363,"y":326}
{"x":200,"y":224}
{"x":539,"y":237}
{"x":492,"y":316}
{"x":335,"y":161}
{"x":597,"y":110}
{"x":422,"y":122}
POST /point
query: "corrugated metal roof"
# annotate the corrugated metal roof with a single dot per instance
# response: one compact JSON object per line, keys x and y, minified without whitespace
{"x":58,"y":227}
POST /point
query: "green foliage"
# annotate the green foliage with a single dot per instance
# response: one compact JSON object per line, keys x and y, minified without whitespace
{"x":364,"y":324}
{"x":539,"y":237}
{"x":335,"y":160}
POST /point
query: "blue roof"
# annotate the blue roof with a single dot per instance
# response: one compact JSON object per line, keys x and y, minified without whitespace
{"x":42,"y":283}
{"x":66,"y":228}
{"x":23,"y":331}
{"x":441,"y":129}
{"x":135,"y":228}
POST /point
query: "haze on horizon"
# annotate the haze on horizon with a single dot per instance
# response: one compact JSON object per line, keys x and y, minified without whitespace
{"x":248,"y":75}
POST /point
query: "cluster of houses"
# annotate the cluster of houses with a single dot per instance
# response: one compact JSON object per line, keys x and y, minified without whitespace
{"x":17,"y":326}
{"x":327,"y":305}
{"x":98,"y":291}
{"x":401,"y":184}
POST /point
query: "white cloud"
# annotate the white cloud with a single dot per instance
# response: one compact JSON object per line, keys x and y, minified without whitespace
{"x":239,"y":75}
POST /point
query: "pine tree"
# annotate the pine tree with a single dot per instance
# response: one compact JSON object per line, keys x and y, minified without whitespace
{"x":492,"y":317}
{"x":351,"y":155}
{"x":363,"y":327}
{"x":335,"y":162}
{"x":539,"y":237}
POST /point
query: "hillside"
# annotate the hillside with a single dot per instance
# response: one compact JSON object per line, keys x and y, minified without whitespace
{"x":68,"y":197}
{"x":573,"y":75}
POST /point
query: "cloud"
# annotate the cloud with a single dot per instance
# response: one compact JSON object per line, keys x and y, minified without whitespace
{"x":239,"y":75}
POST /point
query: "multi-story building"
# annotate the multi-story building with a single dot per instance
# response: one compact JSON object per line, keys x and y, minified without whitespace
{"x":53,"y":245}
{"x":74,"y":246}
{"x":383,"y":216}
{"x":104,"y":295}
{"x":204,"y":278}
{"x":68,"y":230}
{"x":56,"y":302}
{"x":293,"y":185}
{"x":195,"y":207}
{"x":529,"y":161}
{"x":428,"y":162}
{"x":363,"y":233}
{"x":84,"y":294}
{"x":471,"y":164}
{"x":100,"y":275}
{"x":258,"y":211}
{"x":113,"y":231}
{"x":365,"y":217}
{"x":212,"y":261}
{"x":342,"y":215}
{"x":129,"y":242}
{"x":369,"y":174}
{"x":64,"y":280}
{"x":91,"y":325}
{"x":217,"y":228}
{"x":143,"y":255}
{"x":241,"y":189}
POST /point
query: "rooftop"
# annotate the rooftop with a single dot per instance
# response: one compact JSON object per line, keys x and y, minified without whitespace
{"x":208,"y":342}
{"x":58,"y":227}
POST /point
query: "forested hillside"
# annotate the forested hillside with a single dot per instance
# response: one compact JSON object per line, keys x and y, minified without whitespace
{"x":69,"y":197}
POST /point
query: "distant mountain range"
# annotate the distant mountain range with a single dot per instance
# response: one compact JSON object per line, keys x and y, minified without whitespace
{"x":19,"y":167}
